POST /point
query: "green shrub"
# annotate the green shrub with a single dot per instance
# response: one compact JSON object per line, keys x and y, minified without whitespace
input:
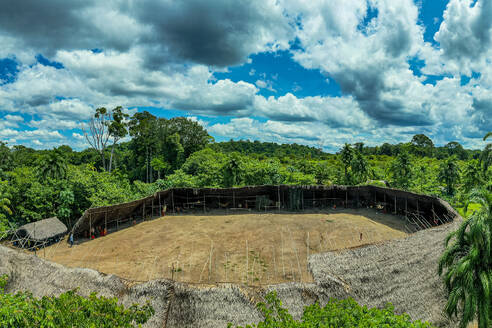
{"x":67,"y":310}
{"x":336,"y":314}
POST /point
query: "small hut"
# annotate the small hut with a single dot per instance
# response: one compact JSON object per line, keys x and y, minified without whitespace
{"x":41,"y":233}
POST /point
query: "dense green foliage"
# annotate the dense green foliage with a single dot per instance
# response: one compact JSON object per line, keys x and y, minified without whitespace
{"x":337,"y":313}
{"x":68,"y":310}
{"x":36,"y":184}
{"x":466,"y":264}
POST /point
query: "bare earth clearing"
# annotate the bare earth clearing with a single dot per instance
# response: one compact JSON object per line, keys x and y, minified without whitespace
{"x":243,"y":248}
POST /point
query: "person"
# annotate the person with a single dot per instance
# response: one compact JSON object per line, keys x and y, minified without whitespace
{"x":70,"y":239}
{"x":164,"y":209}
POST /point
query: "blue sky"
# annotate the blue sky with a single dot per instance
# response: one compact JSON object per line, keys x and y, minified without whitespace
{"x":320,"y":73}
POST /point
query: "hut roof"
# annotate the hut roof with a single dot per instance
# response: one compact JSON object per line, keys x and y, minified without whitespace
{"x":44,"y":229}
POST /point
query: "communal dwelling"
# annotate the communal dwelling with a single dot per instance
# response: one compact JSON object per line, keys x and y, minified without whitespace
{"x":41,"y":233}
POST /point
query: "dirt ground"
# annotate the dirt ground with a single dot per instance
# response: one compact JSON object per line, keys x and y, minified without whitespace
{"x":243,"y":248}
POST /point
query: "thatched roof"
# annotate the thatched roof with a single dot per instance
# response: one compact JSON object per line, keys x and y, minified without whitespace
{"x":42,"y":230}
{"x":399,"y":201}
{"x":403,"y":272}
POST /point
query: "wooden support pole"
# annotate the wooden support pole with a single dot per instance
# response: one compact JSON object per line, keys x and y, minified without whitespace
{"x":278,"y":197}
{"x":143,"y":211}
{"x":395,"y":204}
{"x":233,"y":199}
{"x":106,"y":220}
{"x":346,"y":198}
{"x":406,"y":207}
{"x":90,"y":226}
{"x":204,"y":202}
{"x":172,"y":200}
{"x":160,"y":205}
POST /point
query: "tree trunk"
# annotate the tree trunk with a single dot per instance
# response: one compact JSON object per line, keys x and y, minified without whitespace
{"x":103,"y":160}
{"x":111,"y":158}
{"x":147,"y":164}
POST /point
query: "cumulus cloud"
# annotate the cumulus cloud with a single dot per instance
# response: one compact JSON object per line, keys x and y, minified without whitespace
{"x":165,"y":53}
{"x":465,"y":35}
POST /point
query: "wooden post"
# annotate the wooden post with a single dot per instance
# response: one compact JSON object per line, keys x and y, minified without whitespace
{"x":233,"y":199}
{"x":160,"y":205}
{"x":172,"y":200}
{"x":278,"y":197}
{"x":314,"y":198}
{"x":152,"y":213}
{"x":204,"y":200}
{"x":406,"y":207}
{"x":90,"y":226}
{"x":346,"y":198}
{"x":143,"y":211}
{"x":106,"y":220}
{"x":395,"y":204}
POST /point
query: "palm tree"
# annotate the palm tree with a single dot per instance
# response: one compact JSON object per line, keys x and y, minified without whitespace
{"x":471,"y":175}
{"x":53,"y":165}
{"x":486,"y":156}
{"x":468,"y":265}
{"x":449,"y":173}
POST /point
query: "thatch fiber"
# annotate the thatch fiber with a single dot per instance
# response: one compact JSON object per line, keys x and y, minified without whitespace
{"x":42,"y":231}
{"x":403,"y":272}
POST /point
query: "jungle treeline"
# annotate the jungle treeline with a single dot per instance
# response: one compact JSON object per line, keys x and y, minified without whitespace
{"x":144,"y":153}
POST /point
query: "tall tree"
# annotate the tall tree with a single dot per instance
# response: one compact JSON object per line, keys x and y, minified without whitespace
{"x":193,"y":137}
{"x":401,"y":170}
{"x":144,"y":129}
{"x":467,"y":265}
{"x":346,"y":156}
{"x":422,"y":145}
{"x":118,"y":129}
{"x":98,"y":134}
{"x":449,"y":174}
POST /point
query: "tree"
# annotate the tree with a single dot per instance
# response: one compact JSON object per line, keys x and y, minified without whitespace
{"x":5,"y":157}
{"x":232,"y":170}
{"x":467,"y":265}
{"x":401,"y":170}
{"x":53,"y":165}
{"x":159,"y":165}
{"x":64,"y":212}
{"x":486,"y":156}
{"x":193,"y":136}
{"x":346,"y":156}
{"x":117,"y":129}
{"x":99,"y":134}
{"x":360,"y":167}
{"x":144,"y":130}
{"x":455,"y":149}
{"x":471,"y":176}
{"x":423,"y":145}
{"x":5,"y":210}
{"x":449,"y":174}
